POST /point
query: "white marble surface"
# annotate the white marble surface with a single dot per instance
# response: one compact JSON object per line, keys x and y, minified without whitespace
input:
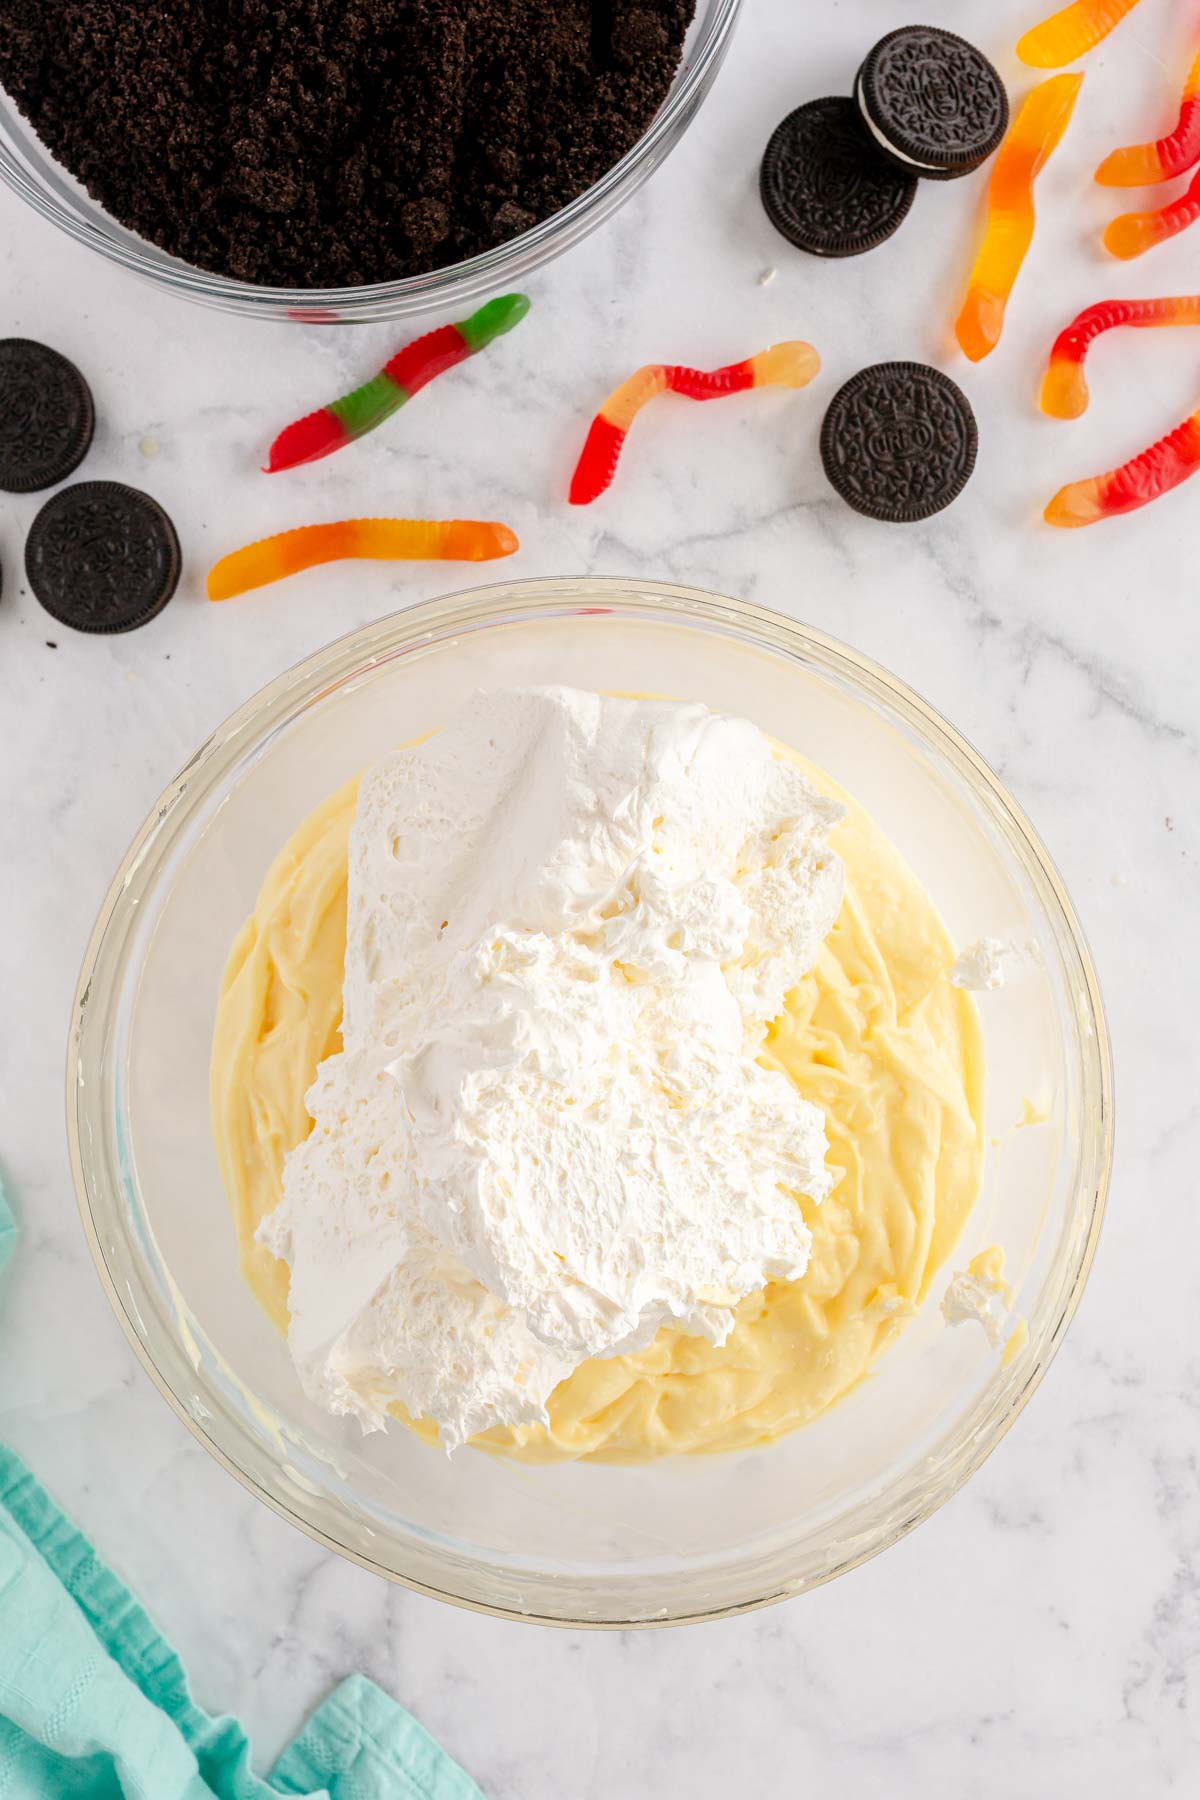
{"x":1041,"y":1634}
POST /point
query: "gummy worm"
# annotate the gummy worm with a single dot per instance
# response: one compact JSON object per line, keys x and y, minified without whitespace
{"x":1144,"y":478}
{"x":331,"y":427}
{"x":783,"y":365}
{"x":1134,"y":233}
{"x":1032,"y":137}
{"x":1071,"y":33}
{"x":1064,"y":387}
{"x":384,"y":540}
{"x":1141,"y":165}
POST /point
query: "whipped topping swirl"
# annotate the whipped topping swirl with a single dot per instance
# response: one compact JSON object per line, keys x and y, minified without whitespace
{"x":571,"y":920}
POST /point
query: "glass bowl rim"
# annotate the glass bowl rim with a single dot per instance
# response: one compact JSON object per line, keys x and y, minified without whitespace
{"x":411,"y":295}
{"x":445,"y":617}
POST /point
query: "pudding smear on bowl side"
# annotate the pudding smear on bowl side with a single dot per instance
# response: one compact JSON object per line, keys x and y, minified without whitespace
{"x":589,"y":1081}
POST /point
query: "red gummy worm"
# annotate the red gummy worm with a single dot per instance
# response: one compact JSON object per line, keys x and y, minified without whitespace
{"x":784,"y":365}
{"x":1140,"y":165}
{"x":1136,"y":483}
{"x":1134,"y":233}
{"x":1064,"y":388}
{"x":598,"y":460}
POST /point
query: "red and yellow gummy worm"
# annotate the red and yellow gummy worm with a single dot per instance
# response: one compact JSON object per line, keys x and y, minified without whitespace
{"x":382,"y":540}
{"x":1071,"y":33}
{"x":1064,"y":386}
{"x":1032,"y":137}
{"x":331,"y":427}
{"x":1136,"y":483}
{"x":1141,"y":165}
{"x":783,"y":365}
{"x":1134,"y":233}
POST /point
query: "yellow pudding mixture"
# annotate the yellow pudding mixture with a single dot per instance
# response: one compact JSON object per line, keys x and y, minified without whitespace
{"x":875,"y":1035}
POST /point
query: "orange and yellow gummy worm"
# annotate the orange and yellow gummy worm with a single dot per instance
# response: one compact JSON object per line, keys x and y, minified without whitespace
{"x":382,"y":540}
{"x":1071,"y":33}
{"x":1032,"y":137}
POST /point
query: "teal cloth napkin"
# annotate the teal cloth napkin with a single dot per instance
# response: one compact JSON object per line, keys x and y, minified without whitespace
{"x":94,"y":1703}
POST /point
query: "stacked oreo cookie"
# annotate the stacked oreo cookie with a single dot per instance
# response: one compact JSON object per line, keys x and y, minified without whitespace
{"x":933,"y":103}
{"x":839,"y":175}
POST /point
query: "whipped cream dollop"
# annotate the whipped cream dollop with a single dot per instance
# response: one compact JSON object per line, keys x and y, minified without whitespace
{"x":571,"y":919}
{"x":979,"y":1294}
{"x":985,"y":965}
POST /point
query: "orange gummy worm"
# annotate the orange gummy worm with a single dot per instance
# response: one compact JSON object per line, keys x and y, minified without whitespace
{"x":1143,"y":478}
{"x":1071,"y":33}
{"x":1032,"y":137}
{"x":1141,"y":165}
{"x":1134,"y":233}
{"x":383,"y":540}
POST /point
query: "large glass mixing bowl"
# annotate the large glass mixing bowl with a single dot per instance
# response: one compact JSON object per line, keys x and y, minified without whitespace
{"x":30,"y":170}
{"x":592,"y":1544}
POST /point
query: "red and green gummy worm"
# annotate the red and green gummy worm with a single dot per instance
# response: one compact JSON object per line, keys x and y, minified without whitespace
{"x":351,"y":417}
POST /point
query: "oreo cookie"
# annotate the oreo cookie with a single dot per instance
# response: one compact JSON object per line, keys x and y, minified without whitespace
{"x":933,"y":104}
{"x":102,"y":557}
{"x":824,"y":185}
{"x":899,"y":442}
{"x":46,"y":416}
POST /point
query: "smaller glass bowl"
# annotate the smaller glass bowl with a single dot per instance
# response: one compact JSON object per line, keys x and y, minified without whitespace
{"x":584,"y":1544}
{"x":31,"y":172}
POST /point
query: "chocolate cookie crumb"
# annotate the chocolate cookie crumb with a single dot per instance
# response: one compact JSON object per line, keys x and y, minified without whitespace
{"x":327,"y":143}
